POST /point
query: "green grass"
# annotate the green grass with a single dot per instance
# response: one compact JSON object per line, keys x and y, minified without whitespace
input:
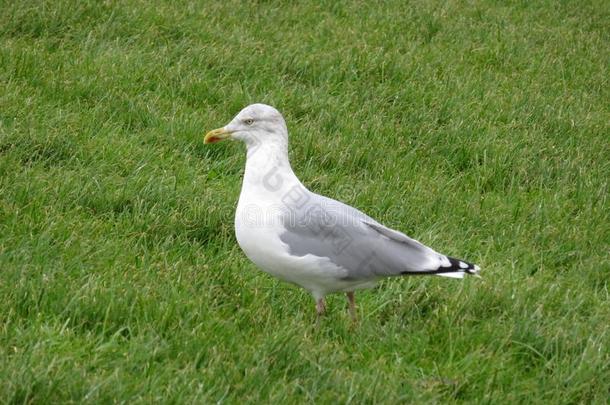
{"x":479,"y":128}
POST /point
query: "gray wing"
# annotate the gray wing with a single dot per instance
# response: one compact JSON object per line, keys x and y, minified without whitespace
{"x":352,"y":240}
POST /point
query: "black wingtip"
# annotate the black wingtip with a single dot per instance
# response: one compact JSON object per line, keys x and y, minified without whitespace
{"x":455,"y":266}
{"x":462,"y":265}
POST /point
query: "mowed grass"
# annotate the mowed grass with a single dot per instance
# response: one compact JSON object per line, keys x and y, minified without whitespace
{"x":479,"y":128}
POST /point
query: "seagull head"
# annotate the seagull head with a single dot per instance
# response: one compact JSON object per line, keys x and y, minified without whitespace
{"x":255,"y":125}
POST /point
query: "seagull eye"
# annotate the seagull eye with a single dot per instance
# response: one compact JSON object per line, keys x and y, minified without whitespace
{"x":249,"y":121}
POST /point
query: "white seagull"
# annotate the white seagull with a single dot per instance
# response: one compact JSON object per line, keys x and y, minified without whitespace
{"x":310,"y":240}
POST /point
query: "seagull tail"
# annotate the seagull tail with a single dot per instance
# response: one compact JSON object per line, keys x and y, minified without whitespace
{"x":458,"y":269}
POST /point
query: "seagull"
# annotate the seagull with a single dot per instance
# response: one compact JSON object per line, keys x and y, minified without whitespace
{"x":304,"y":238}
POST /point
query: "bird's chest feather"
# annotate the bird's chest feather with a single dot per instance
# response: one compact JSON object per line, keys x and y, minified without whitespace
{"x":258,"y":229}
{"x":259,"y":219}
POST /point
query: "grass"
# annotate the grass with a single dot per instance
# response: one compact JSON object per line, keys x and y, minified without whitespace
{"x":480,"y":128}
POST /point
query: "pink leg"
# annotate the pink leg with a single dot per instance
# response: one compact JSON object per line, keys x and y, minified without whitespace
{"x":320,"y":307}
{"x":352,"y":305}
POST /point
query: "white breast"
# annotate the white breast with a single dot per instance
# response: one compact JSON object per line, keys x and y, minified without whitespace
{"x":258,"y":229}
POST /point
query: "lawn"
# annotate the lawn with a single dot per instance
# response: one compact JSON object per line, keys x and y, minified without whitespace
{"x":480,"y":128}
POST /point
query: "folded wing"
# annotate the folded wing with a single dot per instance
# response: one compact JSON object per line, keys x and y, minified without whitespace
{"x":357,"y":243}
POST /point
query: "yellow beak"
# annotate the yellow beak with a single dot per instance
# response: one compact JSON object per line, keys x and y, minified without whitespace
{"x":216,"y":135}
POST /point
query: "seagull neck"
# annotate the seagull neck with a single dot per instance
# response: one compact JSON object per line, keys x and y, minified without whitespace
{"x":268,"y":165}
